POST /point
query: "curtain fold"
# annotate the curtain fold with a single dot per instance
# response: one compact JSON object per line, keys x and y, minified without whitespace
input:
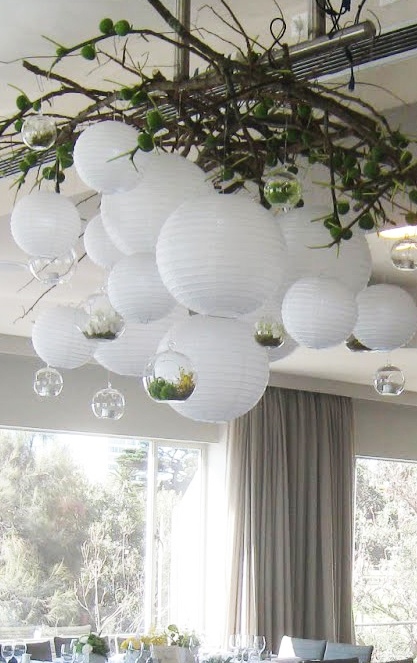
{"x":290,"y":489}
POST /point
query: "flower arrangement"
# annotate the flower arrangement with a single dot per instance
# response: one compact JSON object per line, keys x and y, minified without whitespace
{"x":181,"y":638}
{"x":101,"y":325}
{"x":154,"y":638}
{"x":92,"y":644}
{"x":269,"y":333}
{"x":131,"y":643}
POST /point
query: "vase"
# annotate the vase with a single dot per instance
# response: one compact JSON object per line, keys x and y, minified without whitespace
{"x":95,"y":658}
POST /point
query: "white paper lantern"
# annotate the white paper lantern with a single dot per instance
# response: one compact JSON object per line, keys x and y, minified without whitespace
{"x":101,"y":157}
{"x":232,"y":368}
{"x":387,"y":317}
{"x":130,"y":353}
{"x":133,"y":220}
{"x":57,"y":340}
{"x":221,"y":255}
{"x":136,"y":290}
{"x":319,"y":312}
{"x":45,"y":224}
{"x":98,"y":245}
{"x":350,"y":262}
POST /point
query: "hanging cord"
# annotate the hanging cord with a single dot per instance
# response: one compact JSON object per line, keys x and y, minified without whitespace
{"x":351,"y":84}
{"x":277,"y":28}
{"x":327,"y":8}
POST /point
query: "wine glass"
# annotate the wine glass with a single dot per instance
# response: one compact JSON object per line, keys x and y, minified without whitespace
{"x":18,"y":650}
{"x":7,"y":651}
{"x":235,"y":645}
{"x":194,"y":647}
{"x":258,"y":644}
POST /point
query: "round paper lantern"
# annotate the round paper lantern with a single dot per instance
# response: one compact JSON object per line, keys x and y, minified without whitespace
{"x":98,"y":245}
{"x":232,"y":368}
{"x":129,"y":354}
{"x":57,"y":340}
{"x":136,"y":290}
{"x":133,"y":220}
{"x":387,"y":317}
{"x":319,"y":312}
{"x":351,"y":262}
{"x":101,"y":157}
{"x":45,"y":224}
{"x":221,"y":255}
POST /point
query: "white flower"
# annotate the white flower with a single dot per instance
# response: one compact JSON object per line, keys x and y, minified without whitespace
{"x":83,"y":639}
{"x":87,"y":649}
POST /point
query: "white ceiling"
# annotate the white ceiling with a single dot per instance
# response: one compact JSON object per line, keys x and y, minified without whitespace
{"x":23,"y":23}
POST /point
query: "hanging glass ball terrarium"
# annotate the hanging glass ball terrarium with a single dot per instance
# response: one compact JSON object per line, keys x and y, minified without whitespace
{"x":48,"y":382}
{"x":404,"y":254}
{"x":269,"y":333}
{"x":54,"y":271}
{"x":108,"y":403}
{"x":169,"y":376}
{"x":39,"y":132}
{"x":98,"y":320}
{"x":389,"y":381}
{"x":282,"y":189}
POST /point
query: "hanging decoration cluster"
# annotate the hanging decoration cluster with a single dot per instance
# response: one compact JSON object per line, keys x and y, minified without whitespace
{"x":204,"y":232}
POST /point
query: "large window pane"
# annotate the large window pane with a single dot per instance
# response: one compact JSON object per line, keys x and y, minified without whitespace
{"x":77,"y":514}
{"x":385,"y":579}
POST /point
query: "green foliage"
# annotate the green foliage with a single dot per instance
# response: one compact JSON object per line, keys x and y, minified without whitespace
{"x":88,"y":52}
{"x":181,"y":638}
{"x":164,"y":390}
{"x":122,"y":28}
{"x":98,"y":644}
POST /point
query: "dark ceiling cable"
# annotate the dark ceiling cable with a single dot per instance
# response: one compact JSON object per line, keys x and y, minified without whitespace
{"x":326,"y":6}
{"x":351,"y":84}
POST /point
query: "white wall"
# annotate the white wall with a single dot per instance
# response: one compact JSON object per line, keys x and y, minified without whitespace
{"x":20,"y":407}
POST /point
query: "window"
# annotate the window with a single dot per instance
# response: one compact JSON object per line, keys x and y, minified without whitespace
{"x":100,"y":531}
{"x":385,"y":568}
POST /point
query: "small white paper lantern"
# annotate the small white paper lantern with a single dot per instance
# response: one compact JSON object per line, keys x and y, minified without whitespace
{"x":351,"y":262}
{"x":45,"y":224}
{"x":232,"y":368}
{"x":136,"y":290}
{"x":221,"y":255}
{"x":319,"y":312}
{"x":57,"y":340}
{"x":101,"y":157}
{"x":133,"y":219}
{"x":98,"y":245}
{"x":387,"y":317}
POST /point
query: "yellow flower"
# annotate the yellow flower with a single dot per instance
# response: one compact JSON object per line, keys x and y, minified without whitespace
{"x":134,"y":643}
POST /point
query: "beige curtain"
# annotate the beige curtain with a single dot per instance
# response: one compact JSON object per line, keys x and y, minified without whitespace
{"x":290,"y":487}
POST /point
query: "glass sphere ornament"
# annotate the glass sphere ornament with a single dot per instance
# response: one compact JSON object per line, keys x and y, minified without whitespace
{"x":282,"y":189}
{"x":269,"y":332}
{"x":108,"y":403}
{"x":39,"y":132}
{"x":169,"y":376}
{"x":54,"y":271}
{"x":48,"y":382}
{"x":389,"y":381}
{"x":98,"y":320}
{"x":404,"y":254}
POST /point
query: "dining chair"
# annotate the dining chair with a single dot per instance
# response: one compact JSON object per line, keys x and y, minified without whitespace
{"x":40,"y":651}
{"x":339,"y":650}
{"x":301,"y":648}
{"x":62,"y":640}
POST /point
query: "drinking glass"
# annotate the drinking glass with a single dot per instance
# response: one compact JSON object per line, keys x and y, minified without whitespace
{"x":7,"y":651}
{"x":18,"y":650}
{"x":67,"y":652}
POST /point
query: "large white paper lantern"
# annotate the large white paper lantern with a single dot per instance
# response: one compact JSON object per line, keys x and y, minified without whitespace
{"x":130,"y":353}
{"x":98,"y":245}
{"x":136,"y":291}
{"x":232,"y":368}
{"x":319,"y":312}
{"x":387,"y":317}
{"x":221,"y":255}
{"x":45,"y":224}
{"x":350,"y":262}
{"x":102,"y":159}
{"x":58,"y":341}
{"x":133,"y":219}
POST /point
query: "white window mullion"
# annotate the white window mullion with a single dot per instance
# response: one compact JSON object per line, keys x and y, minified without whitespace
{"x":150,"y":549}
